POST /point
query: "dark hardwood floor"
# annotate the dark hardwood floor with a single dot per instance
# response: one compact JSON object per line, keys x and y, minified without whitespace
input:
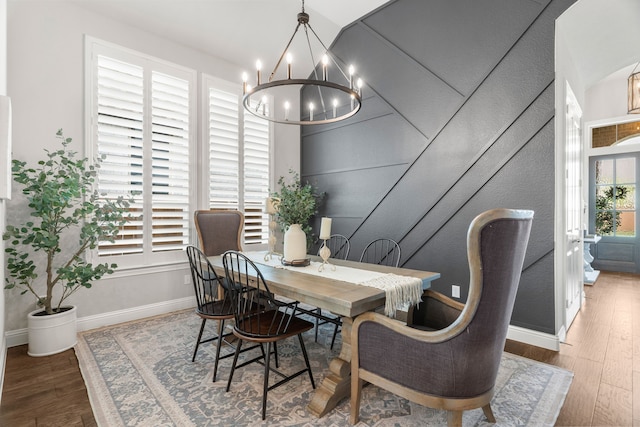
{"x":602,"y":349}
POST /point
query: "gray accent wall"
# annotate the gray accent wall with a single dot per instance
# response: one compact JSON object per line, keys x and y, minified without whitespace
{"x":457,"y":118}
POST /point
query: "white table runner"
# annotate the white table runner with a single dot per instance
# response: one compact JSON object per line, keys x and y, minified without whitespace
{"x":399,"y":290}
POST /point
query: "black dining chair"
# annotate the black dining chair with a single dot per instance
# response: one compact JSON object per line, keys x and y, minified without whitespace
{"x":382,"y":252}
{"x":212,"y":303}
{"x":278,"y":320}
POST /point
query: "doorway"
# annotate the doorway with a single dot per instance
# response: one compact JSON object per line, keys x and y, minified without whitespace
{"x":613,"y":180}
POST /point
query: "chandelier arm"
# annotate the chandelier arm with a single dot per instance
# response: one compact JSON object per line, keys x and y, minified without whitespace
{"x":313,"y":64}
{"x":635,"y":68}
{"x":328,"y":51}
{"x":284,"y":52}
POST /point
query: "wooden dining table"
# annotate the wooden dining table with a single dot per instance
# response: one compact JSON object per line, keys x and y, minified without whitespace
{"x":345,"y":299}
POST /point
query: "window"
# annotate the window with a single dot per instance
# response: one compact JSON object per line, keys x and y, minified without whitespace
{"x":143,"y":121}
{"x":141,"y":114}
{"x":239,"y":158}
{"x":615,"y":190}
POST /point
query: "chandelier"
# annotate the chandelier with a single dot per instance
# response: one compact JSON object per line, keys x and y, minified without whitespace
{"x":633,"y":92}
{"x":326,"y":101}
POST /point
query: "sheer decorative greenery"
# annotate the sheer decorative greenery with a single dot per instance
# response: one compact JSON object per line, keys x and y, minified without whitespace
{"x":61,"y":197}
{"x":608,"y":220}
{"x":296,"y":203}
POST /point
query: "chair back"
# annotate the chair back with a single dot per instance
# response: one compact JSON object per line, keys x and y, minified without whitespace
{"x":382,"y":252}
{"x":211,"y":298}
{"x":257,"y":312}
{"x":338,"y":245}
{"x":219,"y":230}
{"x":496,"y":244}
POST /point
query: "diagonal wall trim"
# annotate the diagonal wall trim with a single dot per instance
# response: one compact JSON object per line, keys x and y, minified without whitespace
{"x":430,"y":140}
{"x":499,"y":165}
{"x":406,"y":56}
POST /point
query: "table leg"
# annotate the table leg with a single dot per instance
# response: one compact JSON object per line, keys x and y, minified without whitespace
{"x":337,"y":384}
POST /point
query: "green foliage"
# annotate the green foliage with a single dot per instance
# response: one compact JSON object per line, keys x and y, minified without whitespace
{"x":296,"y":203}
{"x":607,"y":220}
{"x":61,"y":197}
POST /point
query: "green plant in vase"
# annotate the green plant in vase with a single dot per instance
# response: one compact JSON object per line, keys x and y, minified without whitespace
{"x":296,"y":203}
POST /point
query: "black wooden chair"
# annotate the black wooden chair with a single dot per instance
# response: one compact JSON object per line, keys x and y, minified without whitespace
{"x":213,"y":303}
{"x":382,"y":252}
{"x":278,"y":320}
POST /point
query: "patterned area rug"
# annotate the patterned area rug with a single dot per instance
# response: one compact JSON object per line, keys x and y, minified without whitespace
{"x":140,"y":374}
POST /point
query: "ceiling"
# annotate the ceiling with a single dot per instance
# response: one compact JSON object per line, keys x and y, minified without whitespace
{"x":239,"y":31}
{"x":602,"y":40}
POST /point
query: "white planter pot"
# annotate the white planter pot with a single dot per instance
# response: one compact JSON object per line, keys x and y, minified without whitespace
{"x":51,"y":334}
{"x":295,"y":243}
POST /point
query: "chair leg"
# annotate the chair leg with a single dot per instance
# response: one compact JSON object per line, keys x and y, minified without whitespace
{"x":275,"y":354}
{"x":356,"y":391}
{"x":215,"y":364}
{"x":265,"y":387}
{"x":306,"y":360}
{"x":489,"y":413}
{"x":454,"y":418}
{"x":193,"y":359}
{"x":319,"y":311}
{"x":233,"y":365}
{"x":335,"y":332}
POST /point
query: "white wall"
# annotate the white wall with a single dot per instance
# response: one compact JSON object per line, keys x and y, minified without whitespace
{"x":3,"y":91}
{"x":46,"y":84}
{"x":608,"y":99}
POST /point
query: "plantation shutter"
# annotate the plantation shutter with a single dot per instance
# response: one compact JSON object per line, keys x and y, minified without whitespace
{"x":142,"y":125}
{"x":256,"y":178}
{"x":239,"y":156}
{"x":120,"y":132}
{"x":170,"y":162}
{"x":224,"y":163}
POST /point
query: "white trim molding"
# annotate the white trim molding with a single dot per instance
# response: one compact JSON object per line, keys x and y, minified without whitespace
{"x":20,"y":336}
{"x":531,"y":337}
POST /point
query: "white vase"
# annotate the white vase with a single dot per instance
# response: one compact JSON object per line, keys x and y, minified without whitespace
{"x":295,"y":243}
{"x":52,"y":333}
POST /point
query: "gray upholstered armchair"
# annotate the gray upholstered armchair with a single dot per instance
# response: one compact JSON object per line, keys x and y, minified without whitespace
{"x":447,"y":355}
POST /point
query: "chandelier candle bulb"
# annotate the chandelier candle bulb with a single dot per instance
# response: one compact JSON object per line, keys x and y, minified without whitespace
{"x":244,"y":83}
{"x":286,"y":110}
{"x":311,"y":112}
{"x":325,"y":63}
{"x":335,"y":106}
{"x":352,"y":70}
{"x":325,"y":228}
{"x":289,"y":61}
{"x":259,"y":71}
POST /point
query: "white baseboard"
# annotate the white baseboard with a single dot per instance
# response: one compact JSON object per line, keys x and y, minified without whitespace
{"x":531,"y":337}
{"x":20,"y":336}
{"x":3,"y":363}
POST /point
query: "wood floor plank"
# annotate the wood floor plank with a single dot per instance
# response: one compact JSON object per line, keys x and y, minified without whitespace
{"x":613,"y":407}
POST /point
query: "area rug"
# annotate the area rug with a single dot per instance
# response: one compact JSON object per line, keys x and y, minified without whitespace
{"x":140,"y":374}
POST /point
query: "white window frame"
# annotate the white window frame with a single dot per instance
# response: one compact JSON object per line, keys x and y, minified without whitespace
{"x":95,"y":47}
{"x":209,"y":81}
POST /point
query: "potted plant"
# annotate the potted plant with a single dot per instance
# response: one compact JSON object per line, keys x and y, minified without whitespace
{"x":62,"y":201}
{"x":295,"y":204}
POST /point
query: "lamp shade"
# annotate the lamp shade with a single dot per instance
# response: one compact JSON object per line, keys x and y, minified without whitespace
{"x":633,"y":94}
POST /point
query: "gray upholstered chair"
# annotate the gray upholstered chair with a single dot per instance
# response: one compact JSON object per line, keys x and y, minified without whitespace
{"x":219,"y":230}
{"x":447,"y":356}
